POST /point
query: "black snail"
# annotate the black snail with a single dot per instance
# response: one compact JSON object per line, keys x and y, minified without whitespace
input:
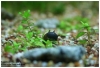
{"x":52,"y":36}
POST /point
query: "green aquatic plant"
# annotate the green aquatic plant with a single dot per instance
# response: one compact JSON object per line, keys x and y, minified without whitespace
{"x":28,"y":37}
{"x":88,"y":32}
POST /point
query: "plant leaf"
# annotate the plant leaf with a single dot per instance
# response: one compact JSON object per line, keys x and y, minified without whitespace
{"x":20,"y":13}
{"x":82,"y":41}
{"x":9,"y":49}
{"x":48,"y":44}
{"x":20,"y":28}
{"x":80,"y":34}
{"x":29,"y":35}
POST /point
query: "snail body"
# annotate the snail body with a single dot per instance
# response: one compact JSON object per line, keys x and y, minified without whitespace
{"x":52,"y":36}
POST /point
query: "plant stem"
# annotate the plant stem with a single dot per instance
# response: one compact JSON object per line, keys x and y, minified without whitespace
{"x":88,"y":34}
{"x":29,"y":26}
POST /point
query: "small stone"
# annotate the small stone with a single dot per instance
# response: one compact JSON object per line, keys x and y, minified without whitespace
{"x":58,"y":64}
{"x":18,"y":64}
{"x":35,"y":62}
{"x":6,"y":15}
{"x":68,"y":35}
{"x":44,"y":64}
{"x":50,"y":64}
{"x":92,"y":62}
{"x":81,"y":63}
{"x":39,"y":63}
{"x":91,"y":56}
{"x":96,"y":45}
{"x":76,"y":64}
{"x":70,"y":65}
{"x":26,"y":61}
{"x":87,"y":62}
{"x":63,"y":65}
{"x":47,"y":23}
{"x":95,"y":27}
{"x":56,"y":54}
{"x":18,"y":55}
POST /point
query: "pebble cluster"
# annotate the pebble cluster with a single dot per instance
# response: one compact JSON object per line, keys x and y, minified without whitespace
{"x":47,"y":23}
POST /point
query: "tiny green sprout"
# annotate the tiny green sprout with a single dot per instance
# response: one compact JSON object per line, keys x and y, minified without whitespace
{"x":29,"y":35}
{"x":38,"y":42}
{"x":16,"y":45}
{"x":25,"y":14}
{"x":20,"y":28}
{"x":20,"y":13}
{"x":8,"y":48}
{"x":88,"y":29}
{"x":25,"y":18}
{"x":48,"y":44}
{"x":62,"y":25}
{"x":12,"y":48}
{"x":85,"y":25}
